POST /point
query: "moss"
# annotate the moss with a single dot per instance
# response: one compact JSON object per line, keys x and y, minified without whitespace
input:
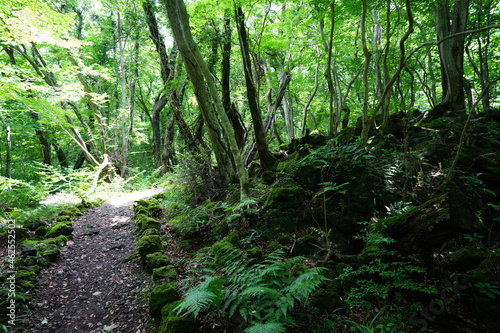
{"x":274,"y":245}
{"x":485,"y":272}
{"x":165,"y":272}
{"x":179,"y":325}
{"x":285,"y":197}
{"x":285,"y":239}
{"x":32,"y":225}
{"x":51,"y":252}
{"x":146,"y":222}
{"x":233,"y":238}
{"x":220,"y":230}
{"x":60,"y":241}
{"x":219,"y":249}
{"x":157,"y":260}
{"x":467,"y":258}
{"x":60,"y":228}
{"x":168,"y":309}
{"x":149,"y":244}
{"x":488,"y":312}
{"x":255,"y":253}
{"x":326,"y":301}
{"x":24,"y":275}
{"x":71,"y":211}
{"x":278,"y":221}
{"x":160,"y":296}
{"x":41,"y":231}
{"x":149,"y":232}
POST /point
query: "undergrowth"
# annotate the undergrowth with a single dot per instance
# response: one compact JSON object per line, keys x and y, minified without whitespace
{"x":260,"y":294}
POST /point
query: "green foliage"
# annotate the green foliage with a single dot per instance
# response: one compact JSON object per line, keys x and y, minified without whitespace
{"x":263,"y":293}
{"x":490,"y":290}
{"x":18,"y":194}
{"x":385,"y":276}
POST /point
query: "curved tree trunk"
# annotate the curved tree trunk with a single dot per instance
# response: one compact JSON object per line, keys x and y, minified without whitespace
{"x":206,"y":95}
{"x":450,"y":21}
{"x":267,"y":159}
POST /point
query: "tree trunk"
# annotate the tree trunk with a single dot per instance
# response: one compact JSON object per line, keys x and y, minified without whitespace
{"x":8,"y":155}
{"x":267,"y":159}
{"x":426,"y":228}
{"x":206,"y":95}
{"x":451,"y":55}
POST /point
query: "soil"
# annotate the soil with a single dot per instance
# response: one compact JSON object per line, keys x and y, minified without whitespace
{"x":96,"y":287}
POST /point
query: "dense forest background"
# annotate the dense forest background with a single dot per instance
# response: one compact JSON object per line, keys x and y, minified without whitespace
{"x":102,"y":84}
{"x":343,"y":131}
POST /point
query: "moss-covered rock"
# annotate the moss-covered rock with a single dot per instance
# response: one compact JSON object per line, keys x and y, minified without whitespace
{"x":34,"y":224}
{"x":71,"y":211}
{"x":219,"y":249}
{"x":168,"y":309}
{"x":149,"y":232}
{"x":220,"y":230}
{"x":178,"y":325}
{"x":149,"y":244}
{"x":326,"y":301}
{"x":274,"y":245}
{"x":255,"y":253}
{"x":157,"y":260}
{"x":60,"y":228}
{"x":41,"y":231}
{"x":165,"y":272}
{"x":285,"y":197}
{"x":282,"y":221}
{"x":59,"y":241}
{"x":146,"y":222}
{"x":160,"y":296}
{"x":51,"y":252}
{"x":467,"y":258}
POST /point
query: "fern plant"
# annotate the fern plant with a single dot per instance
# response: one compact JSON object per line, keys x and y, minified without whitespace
{"x":262,"y":293}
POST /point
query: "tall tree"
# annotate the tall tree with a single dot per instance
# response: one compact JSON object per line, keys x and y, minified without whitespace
{"x":267,"y":159}
{"x":205,"y":90}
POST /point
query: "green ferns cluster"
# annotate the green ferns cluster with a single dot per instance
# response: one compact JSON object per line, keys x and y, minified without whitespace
{"x":262,"y":293}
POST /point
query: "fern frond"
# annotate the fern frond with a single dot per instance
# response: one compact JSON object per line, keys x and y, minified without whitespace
{"x":201,"y":297}
{"x":269,"y":327}
{"x":306,"y":283}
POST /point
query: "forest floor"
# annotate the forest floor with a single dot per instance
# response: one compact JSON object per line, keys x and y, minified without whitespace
{"x":95,"y":287}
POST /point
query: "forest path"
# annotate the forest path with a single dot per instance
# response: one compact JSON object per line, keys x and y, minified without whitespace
{"x":94,"y":288}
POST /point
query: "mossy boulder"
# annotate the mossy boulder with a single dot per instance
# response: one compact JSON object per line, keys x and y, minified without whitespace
{"x":219,"y":249}
{"x":147,"y":207}
{"x":467,"y":258}
{"x":51,"y":252}
{"x":168,"y":309}
{"x":25,"y":279}
{"x":220,"y":230}
{"x":146,"y":222}
{"x":255,"y":253}
{"x":326,"y":301}
{"x":165,"y":272}
{"x":41,"y":231}
{"x":149,"y":244}
{"x":178,"y":325}
{"x":149,"y":232}
{"x":60,"y":228}
{"x":34,"y":224}
{"x":71,"y":211}
{"x":282,"y":221}
{"x":157,"y":260}
{"x":59,"y":241}
{"x":160,"y":296}
{"x":285,"y":197}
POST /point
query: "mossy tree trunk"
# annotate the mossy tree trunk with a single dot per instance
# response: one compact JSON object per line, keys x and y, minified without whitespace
{"x":207,"y":96}
{"x":429,"y":226}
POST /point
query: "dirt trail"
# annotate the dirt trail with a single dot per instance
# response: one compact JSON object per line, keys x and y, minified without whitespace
{"x":94,"y":288}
